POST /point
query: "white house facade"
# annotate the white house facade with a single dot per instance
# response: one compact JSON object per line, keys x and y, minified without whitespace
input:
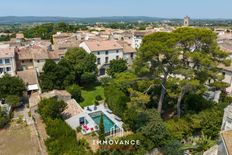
{"x":7,"y":61}
{"x":105,"y":51}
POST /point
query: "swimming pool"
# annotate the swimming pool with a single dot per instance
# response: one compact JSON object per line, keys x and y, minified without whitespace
{"x":108,"y":124}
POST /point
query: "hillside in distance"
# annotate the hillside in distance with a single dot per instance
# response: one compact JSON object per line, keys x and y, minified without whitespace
{"x":34,"y":19}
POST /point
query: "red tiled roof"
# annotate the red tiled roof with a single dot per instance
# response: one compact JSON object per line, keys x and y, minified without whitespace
{"x":103,"y":45}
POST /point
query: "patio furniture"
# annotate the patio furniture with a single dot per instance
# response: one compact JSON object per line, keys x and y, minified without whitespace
{"x":117,"y":118}
{"x":89,"y":109}
{"x":109,"y":111}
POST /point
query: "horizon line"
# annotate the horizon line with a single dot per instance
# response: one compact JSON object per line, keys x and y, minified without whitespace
{"x":50,"y":16}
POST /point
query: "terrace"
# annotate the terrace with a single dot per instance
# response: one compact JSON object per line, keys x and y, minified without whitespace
{"x":112,"y":123}
{"x":89,"y":118}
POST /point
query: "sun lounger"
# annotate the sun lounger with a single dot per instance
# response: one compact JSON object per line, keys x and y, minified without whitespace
{"x":109,"y":111}
{"x":117,"y":118}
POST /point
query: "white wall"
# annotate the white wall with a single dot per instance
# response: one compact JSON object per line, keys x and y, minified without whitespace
{"x":112,"y":54}
{"x":85,"y":47}
{"x":39,"y":65}
{"x":12,"y":65}
{"x":127,"y":57}
{"x":228,"y":79}
{"x":136,"y":41}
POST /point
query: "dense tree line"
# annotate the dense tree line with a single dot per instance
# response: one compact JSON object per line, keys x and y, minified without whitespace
{"x":45,"y":31}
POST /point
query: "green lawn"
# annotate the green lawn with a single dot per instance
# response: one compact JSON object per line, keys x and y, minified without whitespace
{"x":90,"y":93}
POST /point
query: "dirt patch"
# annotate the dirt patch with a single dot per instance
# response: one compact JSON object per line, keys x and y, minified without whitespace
{"x":18,"y":139}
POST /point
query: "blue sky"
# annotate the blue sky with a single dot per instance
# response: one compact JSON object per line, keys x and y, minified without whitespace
{"x":96,"y":8}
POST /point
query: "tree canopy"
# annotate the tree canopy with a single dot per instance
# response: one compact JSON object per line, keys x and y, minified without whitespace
{"x":117,"y":66}
{"x":190,"y":55}
{"x":77,"y":67}
{"x":11,"y":86}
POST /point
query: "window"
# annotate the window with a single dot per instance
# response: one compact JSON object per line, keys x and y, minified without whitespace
{"x":0,"y":61}
{"x":1,"y":70}
{"x":116,"y":51}
{"x":37,"y":61}
{"x":7,"y":61}
{"x":98,"y":53}
{"x":8,"y":69}
{"x":132,"y":55}
{"x":22,"y":61}
{"x":98,"y":61}
{"x":117,"y":57}
{"x":106,"y":60}
{"x":107,"y":52}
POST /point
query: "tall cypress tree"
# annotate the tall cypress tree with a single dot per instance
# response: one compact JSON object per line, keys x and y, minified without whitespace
{"x":101,"y":129}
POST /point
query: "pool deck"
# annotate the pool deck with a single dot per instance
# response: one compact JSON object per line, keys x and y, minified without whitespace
{"x":101,"y":108}
{"x":74,"y":112}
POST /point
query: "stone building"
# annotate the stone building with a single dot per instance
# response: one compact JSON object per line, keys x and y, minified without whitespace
{"x":186,"y":21}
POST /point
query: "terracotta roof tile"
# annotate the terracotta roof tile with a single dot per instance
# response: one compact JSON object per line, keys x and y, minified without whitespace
{"x":7,"y":52}
{"x":28,"y":76}
{"x":126,"y":47}
{"x":103,"y":45}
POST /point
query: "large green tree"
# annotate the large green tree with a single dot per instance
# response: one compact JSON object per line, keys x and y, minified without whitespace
{"x":77,"y":67}
{"x":11,"y":86}
{"x":117,"y":66}
{"x":81,"y":61}
{"x":200,"y":58}
{"x":158,"y":58}
{"x":190,"y":55}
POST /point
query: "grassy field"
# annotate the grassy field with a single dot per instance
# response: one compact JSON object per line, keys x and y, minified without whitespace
{"x":89,"y":94}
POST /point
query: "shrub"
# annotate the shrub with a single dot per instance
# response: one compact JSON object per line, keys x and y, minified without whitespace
{"x":51,"y":108}
{"x":96,"y":103}
{"x":4,"y":119}
{"x":78,"y":129}
{"x":13,"y":100}
{"x":29,"y":113}
{"x":196,"y":103}
{"x":98,"y":98}
{"x":75,"y":91}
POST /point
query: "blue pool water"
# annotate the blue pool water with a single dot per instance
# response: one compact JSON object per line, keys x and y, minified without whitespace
{"x":108,"y":124}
